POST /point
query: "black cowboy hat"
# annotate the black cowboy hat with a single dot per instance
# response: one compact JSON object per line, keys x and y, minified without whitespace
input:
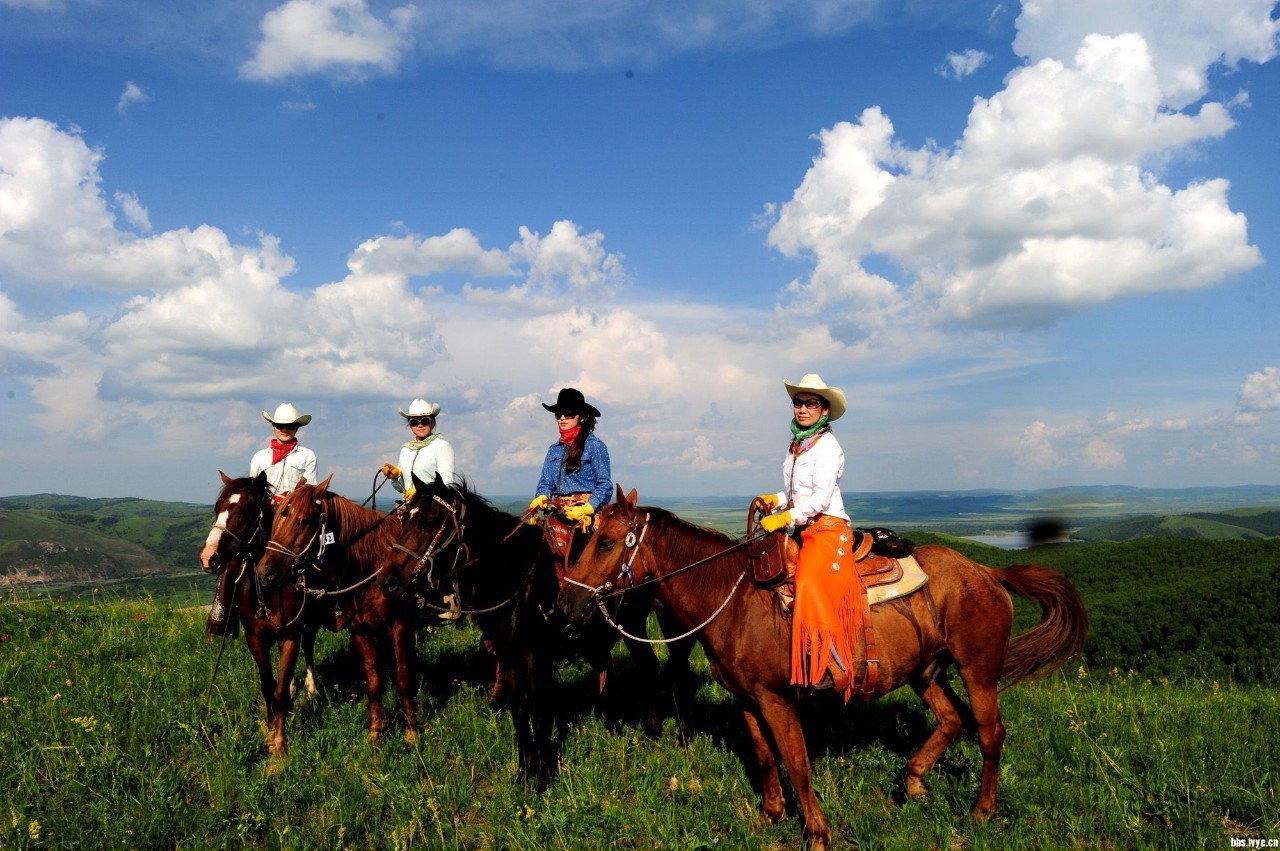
{"x":571,"y":401}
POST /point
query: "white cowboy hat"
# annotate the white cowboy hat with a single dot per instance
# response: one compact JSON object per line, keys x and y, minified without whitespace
{"x":287,"y":414}
{"x":813,"y":383}
{"x":421,"y":408}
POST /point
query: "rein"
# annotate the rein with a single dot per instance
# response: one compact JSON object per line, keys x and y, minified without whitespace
{"x":633,"y":543}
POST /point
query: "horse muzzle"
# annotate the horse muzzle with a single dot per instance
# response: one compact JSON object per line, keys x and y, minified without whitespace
{"x":576,"y":604}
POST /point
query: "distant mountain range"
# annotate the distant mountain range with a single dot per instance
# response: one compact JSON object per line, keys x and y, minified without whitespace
{"x":53,"y":539}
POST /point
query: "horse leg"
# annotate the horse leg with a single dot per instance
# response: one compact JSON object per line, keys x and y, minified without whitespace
{"x":774,"y":806}
{"x":282,"y":696}
{"x":260,"y":649}
{"x":677,"y":675}
{"x":521,"y":688}
{"x":783,"y":721}
{"x":984,"y":697}
{"x":309,"y":658}
{"x":368,"y":649}
{"x":936,"y":693}
{"x":403,"y":643}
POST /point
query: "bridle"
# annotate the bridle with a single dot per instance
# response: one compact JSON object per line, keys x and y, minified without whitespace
{"x":301,"y":558}
{"x":426,"y":560}
{"x":451,"y":530}
{"x":625,"y":580}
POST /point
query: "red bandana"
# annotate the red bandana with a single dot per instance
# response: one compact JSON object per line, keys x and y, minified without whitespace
{"x":279,"y":450}
{"x":568,"y":436}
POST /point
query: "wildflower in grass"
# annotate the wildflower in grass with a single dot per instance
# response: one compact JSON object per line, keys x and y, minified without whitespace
{"x":68,"y":683}
{"x":88,"y":723}
{"x":33,"y":830}
{"x":1082,"y":673}
{"x":57,"y":696}
{"x":673,"y":784}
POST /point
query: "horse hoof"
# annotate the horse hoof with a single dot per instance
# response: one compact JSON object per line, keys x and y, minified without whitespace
{"x":916,"y":788}
{"x":410,"y":737}
{"x":983,"y":814}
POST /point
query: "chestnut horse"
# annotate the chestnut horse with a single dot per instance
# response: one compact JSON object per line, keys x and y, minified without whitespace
{"x":330,"y":548}
{"x":505,"y":576}
{"x":962,"y":617}
{"x":242,"y":520}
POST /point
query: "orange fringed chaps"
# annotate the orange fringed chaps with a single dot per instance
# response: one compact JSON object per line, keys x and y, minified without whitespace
{"x":827,"y":612}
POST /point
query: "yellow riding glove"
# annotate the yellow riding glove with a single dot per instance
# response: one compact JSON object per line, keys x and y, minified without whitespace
{"x":391,"y":471}
{"x":770,"y":500}
{"x":582,"y":514}
{"x":774,"y":522}
{"x":408,"y":494}
{"x":539,"y":503}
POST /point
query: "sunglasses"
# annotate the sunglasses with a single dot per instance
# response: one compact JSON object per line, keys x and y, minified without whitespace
{"x":286,"y":426}
{"x":567,"y":416}
{"x":422,"y":421}
{"x":797,"y":402}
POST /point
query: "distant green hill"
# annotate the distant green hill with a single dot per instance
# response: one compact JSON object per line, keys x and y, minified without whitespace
{"x":50,"y":539}
{"x":1235,"y":525}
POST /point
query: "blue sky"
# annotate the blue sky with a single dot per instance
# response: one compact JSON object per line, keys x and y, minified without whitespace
{"x":1033,"y":244}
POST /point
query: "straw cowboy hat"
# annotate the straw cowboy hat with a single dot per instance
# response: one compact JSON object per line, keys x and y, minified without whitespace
{"x":813,"y":383}
{"x":287,"y":414}
{"x":420,"y":408}
{"x":571,"y":401}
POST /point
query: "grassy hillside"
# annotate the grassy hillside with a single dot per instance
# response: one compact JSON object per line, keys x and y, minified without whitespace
{"x":116,"y":735}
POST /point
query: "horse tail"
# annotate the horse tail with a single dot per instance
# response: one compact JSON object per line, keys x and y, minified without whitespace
{"x":1064,"y":623}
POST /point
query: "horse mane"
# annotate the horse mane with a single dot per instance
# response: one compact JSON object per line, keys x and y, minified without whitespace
{"x":695,"y":544}
{"x":364,"y":532}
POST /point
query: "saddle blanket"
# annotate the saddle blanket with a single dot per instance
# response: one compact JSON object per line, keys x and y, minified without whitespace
{"x":913,"y":577}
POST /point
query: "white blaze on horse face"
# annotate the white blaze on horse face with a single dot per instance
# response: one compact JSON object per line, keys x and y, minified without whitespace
{"x":215,"y":534}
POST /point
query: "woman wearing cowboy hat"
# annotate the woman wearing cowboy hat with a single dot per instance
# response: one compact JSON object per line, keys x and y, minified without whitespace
{"x":826,"y":614}
{"x":424,"y":456}
{"x":576,"y":481}
{"x":284,"y":461}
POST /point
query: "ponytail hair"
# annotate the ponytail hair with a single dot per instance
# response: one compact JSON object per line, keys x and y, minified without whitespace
{"x":573,"y":458}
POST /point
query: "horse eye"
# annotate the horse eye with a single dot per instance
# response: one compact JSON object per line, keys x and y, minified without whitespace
{"x":605,"y":544}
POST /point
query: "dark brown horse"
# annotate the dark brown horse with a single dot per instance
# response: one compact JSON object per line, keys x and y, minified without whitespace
{"x":242,"y":521}
{"x":505,"y":577}
{"x":330,"y":549}
{"x":962,"y":617}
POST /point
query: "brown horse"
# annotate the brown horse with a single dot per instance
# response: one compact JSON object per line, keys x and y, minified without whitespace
{"x":962,"y":617}
{"x":242,"y":520}
{"x":330,"y":549}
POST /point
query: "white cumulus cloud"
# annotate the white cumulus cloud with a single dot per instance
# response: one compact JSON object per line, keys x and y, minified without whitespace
{"x":1049,"y":203}
{"x":342,"y":38}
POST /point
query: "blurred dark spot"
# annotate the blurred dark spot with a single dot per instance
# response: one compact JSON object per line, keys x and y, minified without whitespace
{"x":630,"y":73}
{"x":381,"y":116}
{"x":1046,"y":529}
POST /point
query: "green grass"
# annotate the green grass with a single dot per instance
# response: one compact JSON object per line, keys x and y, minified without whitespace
{"x":114,"y":735}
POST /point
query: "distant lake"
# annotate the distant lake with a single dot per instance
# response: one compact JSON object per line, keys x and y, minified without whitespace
{"x":1012,"y":540}
{"x":1008,"y":541}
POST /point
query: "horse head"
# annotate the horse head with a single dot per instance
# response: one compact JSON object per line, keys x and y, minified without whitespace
{"x":298,"y":535}
{"x":609,"y":560}
{"x":242,"y":514}
{"x":431,"y":526}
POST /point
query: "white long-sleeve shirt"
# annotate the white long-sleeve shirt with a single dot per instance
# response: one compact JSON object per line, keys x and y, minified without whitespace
{"x":284,"y":475}
{"x":435,"y":457}
{"x":811,"y":482}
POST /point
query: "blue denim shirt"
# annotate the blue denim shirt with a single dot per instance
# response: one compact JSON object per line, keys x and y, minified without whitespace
{"x":594,"y":476}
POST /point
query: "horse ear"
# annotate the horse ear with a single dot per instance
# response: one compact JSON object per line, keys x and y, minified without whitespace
{"x":419,"y":484}
{"x":440,"y":480}
{"x":631,"y":498}
{"x":323,"y":487}
{"x":226,"y":480}
{"x":261,"y":480}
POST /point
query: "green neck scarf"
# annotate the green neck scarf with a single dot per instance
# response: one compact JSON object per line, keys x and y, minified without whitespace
{"x":805,"y":433}
{"x":421,"y":444}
